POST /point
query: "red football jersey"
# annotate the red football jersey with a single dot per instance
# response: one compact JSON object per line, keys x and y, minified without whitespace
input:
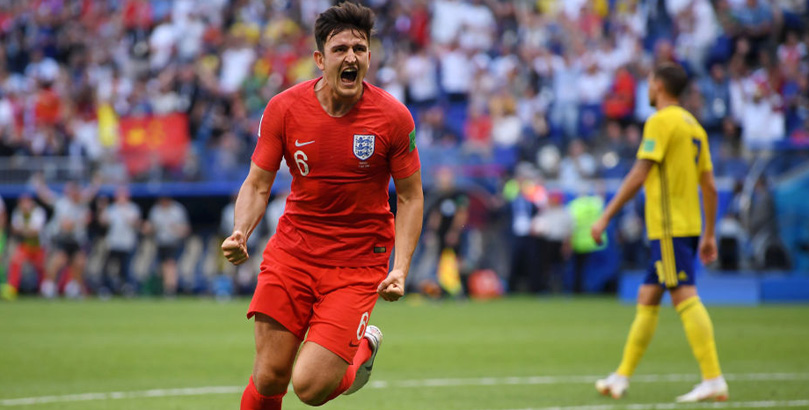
{"x":337,"y":213}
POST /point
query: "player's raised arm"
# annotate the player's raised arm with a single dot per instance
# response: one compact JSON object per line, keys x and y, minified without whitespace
{"x":250,"y":207}
{"x":629,"y":187}
{"x":409,"y":214}
{"x":707,"y":246}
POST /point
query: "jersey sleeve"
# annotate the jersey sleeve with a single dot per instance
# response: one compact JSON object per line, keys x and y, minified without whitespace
{"x":404,"y":156}
{"x":655,"y":140}
{"x":704,"y":161}
{"x":270,"y":147}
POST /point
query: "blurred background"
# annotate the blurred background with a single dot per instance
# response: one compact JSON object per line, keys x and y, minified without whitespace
{"x":126,"y":128}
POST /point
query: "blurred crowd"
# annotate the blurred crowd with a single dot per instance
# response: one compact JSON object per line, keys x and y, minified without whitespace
{"x":56,"y":233}
{"x":528,"y":102}
{"x":79,"y":241}
{"x":543,"y":81}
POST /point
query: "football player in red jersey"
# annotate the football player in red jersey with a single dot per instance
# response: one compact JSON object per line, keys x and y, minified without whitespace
{"x":323,"y":270}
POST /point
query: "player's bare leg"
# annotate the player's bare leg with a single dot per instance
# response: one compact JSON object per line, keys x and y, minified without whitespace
{"x":699,"y":331}
{"x":275,"y":353}
{"x":320,"y":375}
{"x":640,"y":334}
{"x":317,"y":374}
{"x":650,"y":295}
{"x":682,"y":293}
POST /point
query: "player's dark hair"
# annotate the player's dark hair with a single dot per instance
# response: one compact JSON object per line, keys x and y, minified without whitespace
{"x":674,"y":78}
{"x":345,"y":16}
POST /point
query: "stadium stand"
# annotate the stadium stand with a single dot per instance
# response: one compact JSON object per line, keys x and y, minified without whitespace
{"x":165,"y":97}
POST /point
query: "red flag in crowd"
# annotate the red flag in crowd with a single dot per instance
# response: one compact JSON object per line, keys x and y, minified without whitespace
{"x":161,"y":140}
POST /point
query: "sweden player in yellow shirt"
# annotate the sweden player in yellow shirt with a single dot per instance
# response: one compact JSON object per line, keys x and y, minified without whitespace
{"x":673,"y":162}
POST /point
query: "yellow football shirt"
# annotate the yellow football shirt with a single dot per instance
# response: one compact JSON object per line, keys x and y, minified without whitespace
{"x":678,"y":145}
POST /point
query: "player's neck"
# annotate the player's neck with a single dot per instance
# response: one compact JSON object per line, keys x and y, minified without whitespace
{"x":664,"y":101}
{"x":333,"y":104}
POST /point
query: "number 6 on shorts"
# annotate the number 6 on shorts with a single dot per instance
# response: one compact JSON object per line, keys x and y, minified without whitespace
{"x":363,"y":324}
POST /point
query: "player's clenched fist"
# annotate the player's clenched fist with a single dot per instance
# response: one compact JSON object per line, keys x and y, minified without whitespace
{"x":235,"y":248}
{"x":392,"y":288}
{"x":597,"y":231}
{"x":707,"y":249}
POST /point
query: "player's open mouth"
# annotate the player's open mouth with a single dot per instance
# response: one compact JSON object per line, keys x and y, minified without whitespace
{"x":349,"y":76}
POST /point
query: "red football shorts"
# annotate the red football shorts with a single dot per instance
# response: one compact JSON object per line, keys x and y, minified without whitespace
{"x":334,"y":304}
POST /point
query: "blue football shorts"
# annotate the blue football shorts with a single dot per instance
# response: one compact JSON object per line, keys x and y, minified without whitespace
{"x":673,"y":262}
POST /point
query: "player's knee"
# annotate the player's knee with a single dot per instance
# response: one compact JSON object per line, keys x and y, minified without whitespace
{"x":310,"y":391}
{"x":270,"y":381}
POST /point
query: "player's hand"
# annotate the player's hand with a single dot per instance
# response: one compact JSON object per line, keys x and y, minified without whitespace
{"x":707,"y":249}
{"x":392,"y":288}
{"x":598,"y":230}
{"x":235,"y":248}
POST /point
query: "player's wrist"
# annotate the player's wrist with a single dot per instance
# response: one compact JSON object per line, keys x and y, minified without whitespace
{"x":603,"y":220}
{"x":399,"y":271}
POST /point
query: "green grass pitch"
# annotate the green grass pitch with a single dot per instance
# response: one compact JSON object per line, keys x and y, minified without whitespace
{"x":519,"y":353}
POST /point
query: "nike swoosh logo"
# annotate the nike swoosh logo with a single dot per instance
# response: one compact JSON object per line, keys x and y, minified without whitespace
{"x":300,"y":144}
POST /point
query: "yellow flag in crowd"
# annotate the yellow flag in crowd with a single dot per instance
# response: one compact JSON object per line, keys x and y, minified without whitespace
{"x":107,"y":125}
{"x":449,"y":276}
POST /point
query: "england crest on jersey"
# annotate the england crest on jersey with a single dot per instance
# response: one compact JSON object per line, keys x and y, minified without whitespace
{"x":363,"y":146}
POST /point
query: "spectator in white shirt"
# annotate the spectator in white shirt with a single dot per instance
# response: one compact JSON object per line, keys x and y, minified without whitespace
{"x":421,"y":77}
{"x":577,"y":167}
{"x":565,"y":109}
{"x":457,"y":73}
{"x":553,"y":228}
{"x":168,"y":223}
{"x":762,"y":124}
{"x":237,"y":59}
{"x":447,"y":20}
{"x":68,"y":235}
{"x":122,"y":220}
{"x":478,"y":28}
{"x":162,"y":44}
